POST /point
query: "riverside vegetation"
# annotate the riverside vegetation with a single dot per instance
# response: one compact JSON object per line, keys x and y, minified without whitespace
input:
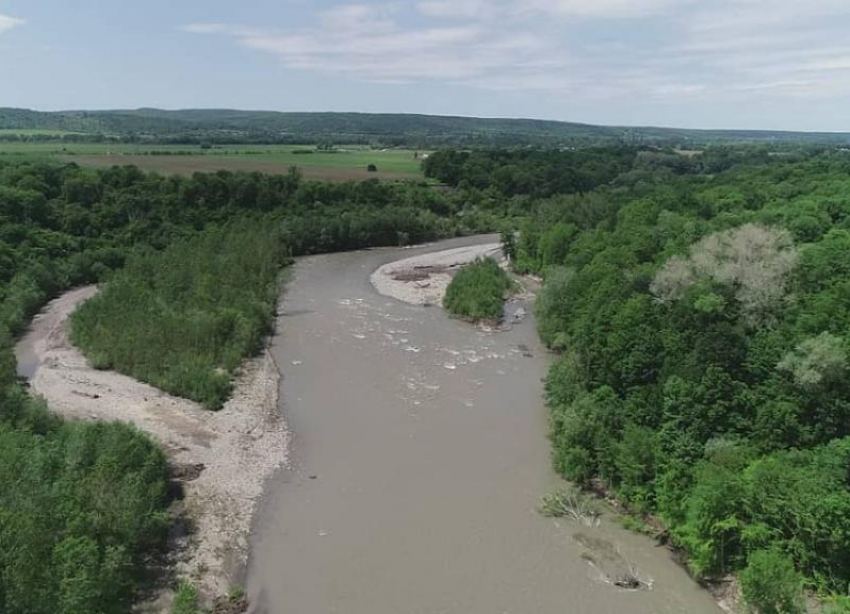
{"x":184,"y":319}
{"x":699,"y":305}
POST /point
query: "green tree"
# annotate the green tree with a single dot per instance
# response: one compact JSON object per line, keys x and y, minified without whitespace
{"x":771,"y":585}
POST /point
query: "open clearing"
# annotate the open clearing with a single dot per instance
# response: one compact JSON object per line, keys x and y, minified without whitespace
{"x":345,"y":164}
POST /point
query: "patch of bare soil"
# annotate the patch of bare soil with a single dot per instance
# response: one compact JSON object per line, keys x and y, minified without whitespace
{"x":222,"y":458}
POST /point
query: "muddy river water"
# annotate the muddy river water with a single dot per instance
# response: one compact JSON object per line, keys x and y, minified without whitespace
{"x":418,"y":458}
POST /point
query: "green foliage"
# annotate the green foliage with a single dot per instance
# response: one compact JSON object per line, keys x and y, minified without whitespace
{"x":703,"y":324}
{"x":770,"y":584}
{"x":478,"y":290}
{"x":183,"y":319}
{"x":80,"y":505}
{"x":837,"y":605}
{"x":186,"y":600}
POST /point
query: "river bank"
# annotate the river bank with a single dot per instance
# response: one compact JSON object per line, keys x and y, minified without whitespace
{"x":222,"y":459}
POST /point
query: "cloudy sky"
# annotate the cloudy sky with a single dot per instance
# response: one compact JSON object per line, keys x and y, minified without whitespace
{"x":782,"y":64}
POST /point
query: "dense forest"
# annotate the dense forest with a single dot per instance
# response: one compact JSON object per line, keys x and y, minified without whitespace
{"x":194,"y":126}
{"x":699,"y":307}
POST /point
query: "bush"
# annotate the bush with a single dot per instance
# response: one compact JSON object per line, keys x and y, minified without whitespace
{"x":771,"y":585}
{"x":186,"y":600}
{"x":478,"y":290}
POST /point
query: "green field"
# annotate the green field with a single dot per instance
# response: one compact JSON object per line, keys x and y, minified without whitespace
{"x":348,"y":163}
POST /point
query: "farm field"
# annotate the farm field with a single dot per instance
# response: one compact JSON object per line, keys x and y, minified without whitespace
{"x":34,"y":132}
{"x":344,"y":164}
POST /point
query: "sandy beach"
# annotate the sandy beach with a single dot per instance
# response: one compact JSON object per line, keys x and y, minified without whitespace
{"x":423,"y":279}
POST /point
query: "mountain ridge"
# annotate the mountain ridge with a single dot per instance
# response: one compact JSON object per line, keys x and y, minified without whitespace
{"x":220,"y":125}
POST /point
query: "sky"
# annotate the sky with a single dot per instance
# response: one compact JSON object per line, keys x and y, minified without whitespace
{"x":757,"y":64}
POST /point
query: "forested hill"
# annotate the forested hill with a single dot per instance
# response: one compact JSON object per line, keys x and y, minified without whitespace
{"x":223,"y":125}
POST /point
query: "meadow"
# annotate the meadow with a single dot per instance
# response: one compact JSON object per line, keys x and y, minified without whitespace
{"x":349,"y":163}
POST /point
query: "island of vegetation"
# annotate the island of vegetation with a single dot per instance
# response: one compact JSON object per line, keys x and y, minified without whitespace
{"x":477,"y":292}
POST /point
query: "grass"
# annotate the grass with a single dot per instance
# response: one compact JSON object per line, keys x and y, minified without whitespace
{"x":186,"y":601}
{"x":478,"y":291}
{"x":346,"y":163}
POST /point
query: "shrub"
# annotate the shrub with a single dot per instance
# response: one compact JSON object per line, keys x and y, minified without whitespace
{"x":186,"y":600}
{"x":570,"y":503}
{"x":771,"y":585}
{"x":478,"y":290}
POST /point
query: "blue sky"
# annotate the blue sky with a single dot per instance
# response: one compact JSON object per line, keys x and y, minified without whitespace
{"x":781,"y":64}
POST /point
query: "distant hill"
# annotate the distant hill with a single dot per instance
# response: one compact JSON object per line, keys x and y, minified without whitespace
{"x":231,"y":126}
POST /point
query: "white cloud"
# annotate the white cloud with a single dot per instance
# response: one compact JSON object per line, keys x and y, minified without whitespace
{"x":600,"y":9}
{"x":772,"y":48}
{"x":205,"y":28}
{"x":366,"y":42}
{"x":469,"y":9}
{"x":679,"y":50}
{"x":358,"y":17}
{"x":7,"y":22}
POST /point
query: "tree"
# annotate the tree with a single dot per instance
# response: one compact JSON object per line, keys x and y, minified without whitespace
{"x":508,"y":240}
{"x":755,"y":261}
{"x":771,"y":585}
{"x":816,"y":361}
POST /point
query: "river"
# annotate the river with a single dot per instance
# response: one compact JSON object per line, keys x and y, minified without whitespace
{"x":418,"y":458}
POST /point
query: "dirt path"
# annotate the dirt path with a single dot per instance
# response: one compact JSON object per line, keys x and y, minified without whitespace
{"x":418,"y":458}
{"x":226,"y":456}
